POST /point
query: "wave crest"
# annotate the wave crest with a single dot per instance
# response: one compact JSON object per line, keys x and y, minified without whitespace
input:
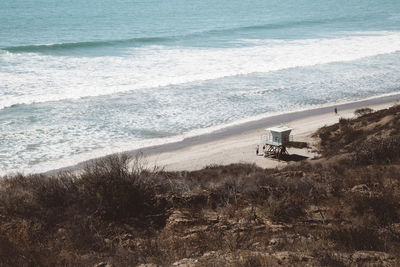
{"x":77,"y":45}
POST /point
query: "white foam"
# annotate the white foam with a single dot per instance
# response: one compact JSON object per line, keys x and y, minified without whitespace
{"x":28,"y":78}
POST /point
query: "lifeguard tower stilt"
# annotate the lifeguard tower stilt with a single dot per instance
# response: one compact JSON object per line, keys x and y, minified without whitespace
{"x":276,"y":140}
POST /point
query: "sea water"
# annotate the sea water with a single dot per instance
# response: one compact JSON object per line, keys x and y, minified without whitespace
{"x":81,"y":79}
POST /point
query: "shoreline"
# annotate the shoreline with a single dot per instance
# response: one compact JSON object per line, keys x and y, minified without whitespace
{"x":164,"y":155}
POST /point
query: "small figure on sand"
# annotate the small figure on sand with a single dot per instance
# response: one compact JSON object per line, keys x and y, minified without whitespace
{"x":257,"y":149}
{"x":335,"y":111}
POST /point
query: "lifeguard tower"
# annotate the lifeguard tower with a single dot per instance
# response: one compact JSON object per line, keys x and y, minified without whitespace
{"x":275,"y":141}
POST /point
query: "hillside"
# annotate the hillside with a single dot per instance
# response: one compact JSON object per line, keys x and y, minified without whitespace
{"x":338,"y":210}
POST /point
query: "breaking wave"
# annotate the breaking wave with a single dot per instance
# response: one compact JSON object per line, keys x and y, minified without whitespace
{"x":35,"y":78}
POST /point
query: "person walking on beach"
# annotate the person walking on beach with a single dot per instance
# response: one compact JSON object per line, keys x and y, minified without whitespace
{"x":257,"y":149}
{"x":335,"y":111}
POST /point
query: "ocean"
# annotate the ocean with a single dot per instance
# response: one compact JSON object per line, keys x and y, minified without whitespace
{"x":82,"y":79}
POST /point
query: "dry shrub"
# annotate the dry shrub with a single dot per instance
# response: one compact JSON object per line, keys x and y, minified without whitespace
{"x":228,"y":192}
{"x":9,"y":254}
{"x":297,"y":144}
{"x":29,"y":253}
{"x":283,"y":210}
{"x":360,"y":238}
{"x":51,"y":215}
{"x":363,"y":111}
{"x":110,"y":189}
{"x":384,"y":207}
{"x":377,"y":150}
{"x":107,"y":188}
{"x":16,"y":196}
{"x":328,"y":259}
{"x":349,"y":133}
{"x":257,"y":261}
{"x":83,"y":235}
{"x":54,"y":193}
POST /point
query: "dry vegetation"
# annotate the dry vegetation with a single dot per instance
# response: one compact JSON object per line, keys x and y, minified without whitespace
{"x":342,"y":209}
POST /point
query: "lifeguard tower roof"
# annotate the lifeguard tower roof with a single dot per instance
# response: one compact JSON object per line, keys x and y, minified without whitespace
{"x":279,"y":129}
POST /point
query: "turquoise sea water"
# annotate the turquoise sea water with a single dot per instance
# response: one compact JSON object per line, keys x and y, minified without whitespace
{"x":80,"y":79}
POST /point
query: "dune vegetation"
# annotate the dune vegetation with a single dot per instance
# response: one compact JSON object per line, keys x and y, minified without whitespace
{"x":340,"y":209}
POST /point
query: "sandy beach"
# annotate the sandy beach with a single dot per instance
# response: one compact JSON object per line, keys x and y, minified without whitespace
{"x":237,"y":144}
{"x":240,"y":148}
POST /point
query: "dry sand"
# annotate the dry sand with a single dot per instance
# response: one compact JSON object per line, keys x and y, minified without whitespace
{"x":241,"y":148}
